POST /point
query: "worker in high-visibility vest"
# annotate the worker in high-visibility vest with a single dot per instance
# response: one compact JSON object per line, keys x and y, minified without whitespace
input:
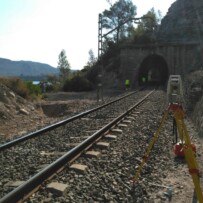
{"x":127,"y":84}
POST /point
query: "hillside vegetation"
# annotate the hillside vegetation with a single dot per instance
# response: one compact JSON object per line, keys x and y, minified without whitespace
{"x":25,"y":68}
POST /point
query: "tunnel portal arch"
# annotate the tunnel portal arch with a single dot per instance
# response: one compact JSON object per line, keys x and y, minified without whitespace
{"x":154,"y":70}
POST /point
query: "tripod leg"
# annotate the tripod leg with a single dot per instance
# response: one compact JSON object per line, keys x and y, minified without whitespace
{"x":175,"y":132}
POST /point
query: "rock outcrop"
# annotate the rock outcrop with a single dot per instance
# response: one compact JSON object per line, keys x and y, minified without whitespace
{"x":11,"y":103}
{"x":183,"y":23}
{"x":194,"y":98}
{"x":17,"y":115}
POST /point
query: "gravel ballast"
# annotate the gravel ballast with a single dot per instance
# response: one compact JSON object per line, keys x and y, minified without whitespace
{"x":109,"y":177}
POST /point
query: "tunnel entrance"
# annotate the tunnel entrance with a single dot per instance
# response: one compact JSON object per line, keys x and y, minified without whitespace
{"x":153,"y":71}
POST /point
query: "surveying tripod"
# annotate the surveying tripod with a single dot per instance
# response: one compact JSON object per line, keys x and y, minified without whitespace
{"x":178,"y":114}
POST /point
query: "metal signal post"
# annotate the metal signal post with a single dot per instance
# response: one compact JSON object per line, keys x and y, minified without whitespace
{"x":100,"y":60}
{"x":100,"y":50}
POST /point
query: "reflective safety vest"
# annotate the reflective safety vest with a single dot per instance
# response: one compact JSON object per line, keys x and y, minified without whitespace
{"x":127,"y":82}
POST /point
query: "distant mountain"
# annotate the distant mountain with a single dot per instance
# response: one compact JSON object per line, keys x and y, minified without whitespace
{"x":25,"y":68}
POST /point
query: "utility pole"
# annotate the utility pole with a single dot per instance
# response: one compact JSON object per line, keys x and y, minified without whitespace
{"x":100,"y":58}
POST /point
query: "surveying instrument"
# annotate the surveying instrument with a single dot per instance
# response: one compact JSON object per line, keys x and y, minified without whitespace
{"x":184,"y":147}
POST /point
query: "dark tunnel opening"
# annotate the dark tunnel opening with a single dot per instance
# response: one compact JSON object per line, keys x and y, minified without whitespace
{"x":153,"y":71}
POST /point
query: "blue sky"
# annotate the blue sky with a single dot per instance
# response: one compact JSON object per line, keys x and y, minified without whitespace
{"x":37,"y":30}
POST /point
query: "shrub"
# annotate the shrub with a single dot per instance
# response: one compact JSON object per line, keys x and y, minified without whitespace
{"x":33,"y":89}
{"x":77,"y":84}
{"x":92,"y":74}
{"x":17,"y":85}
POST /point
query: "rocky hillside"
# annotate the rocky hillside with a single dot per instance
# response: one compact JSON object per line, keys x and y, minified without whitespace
{"x":183,"y":22}
{"x":17,"y":115}
{"x":198,"y":116}
{"x":25,"y":68}
{"x":194,"y":98}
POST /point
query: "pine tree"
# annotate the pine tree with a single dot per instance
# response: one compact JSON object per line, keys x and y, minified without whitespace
{"x":63,"y":66}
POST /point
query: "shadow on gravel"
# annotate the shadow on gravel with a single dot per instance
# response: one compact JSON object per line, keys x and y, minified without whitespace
{"x":180,"y":160}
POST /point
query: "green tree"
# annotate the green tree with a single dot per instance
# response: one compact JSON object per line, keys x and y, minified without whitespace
{"x":63,"y":66}
{"x":53,"y":80}
{"x":147,"y":28}
{"x":119,"y":13}
{"x":150,"y":21}
{"x":78,"y":83}
{"x":110,"y":2}
{"x":92,"y":59}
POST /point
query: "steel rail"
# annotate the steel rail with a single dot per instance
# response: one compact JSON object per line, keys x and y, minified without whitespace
{"x":30,"y":185}
{"x":58,"y":124}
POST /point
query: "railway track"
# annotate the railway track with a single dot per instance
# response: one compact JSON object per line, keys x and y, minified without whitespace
{"x":61,"y":123}
{"x":73,"y":172}
{"x":56,"y":140}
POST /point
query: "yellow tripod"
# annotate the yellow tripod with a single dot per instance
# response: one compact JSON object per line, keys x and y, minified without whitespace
{"x":178,"y":114}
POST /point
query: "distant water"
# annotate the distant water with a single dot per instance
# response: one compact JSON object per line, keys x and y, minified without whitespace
{"x":35,"y":82}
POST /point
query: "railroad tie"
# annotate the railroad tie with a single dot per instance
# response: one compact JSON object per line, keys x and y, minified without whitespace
{"x":135,"y":113}
{"x":121,"y":125}
{"x":110,"y":137}
{"x":57,"y":188}
{"x":116,"y":131}
{"x":92,"y":154}
{"x":126,"y":121}
{"x":79,"y":167}
{"x":15,"y":183}
{"x":103,"y":145}
{"x":130,"y":118}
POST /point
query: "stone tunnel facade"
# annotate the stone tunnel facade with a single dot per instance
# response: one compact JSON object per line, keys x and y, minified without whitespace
{"x":156,"y":63}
